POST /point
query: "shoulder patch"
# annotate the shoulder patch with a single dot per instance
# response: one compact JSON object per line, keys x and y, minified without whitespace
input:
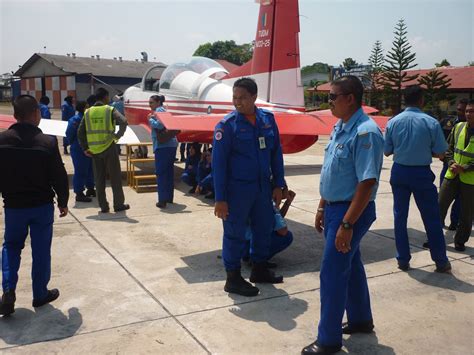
{"x":218,"y":135}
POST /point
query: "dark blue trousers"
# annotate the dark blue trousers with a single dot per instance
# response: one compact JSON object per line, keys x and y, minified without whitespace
{"x":456,"y":207}
{"x":39,"y":222}
{"x":83,"y":172}
{"x":247,"y":202}
{"x":278,"y":243}
{"x":189,"y":178}
{"x":342,"y":276}
{"x":417,"y":180}
{"x":164,"y":169}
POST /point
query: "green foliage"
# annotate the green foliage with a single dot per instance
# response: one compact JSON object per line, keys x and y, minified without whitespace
{"x":471,"y":64}
{"x":397,"y":61}
{"x":317,"y":67}
{"x":324,"y":106}
{"x":228,"y":50}
{"x":349,"y":63}
{"x":436,"y":85}
{"x":376,"y":61}
{"x":443,"y":63}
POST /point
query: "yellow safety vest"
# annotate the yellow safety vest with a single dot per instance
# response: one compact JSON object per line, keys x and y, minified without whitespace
{"x":99,"y":128}
{"x":462,"y":156}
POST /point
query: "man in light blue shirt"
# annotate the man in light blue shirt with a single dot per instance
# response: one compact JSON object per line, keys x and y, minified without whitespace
{"x":414,"y":138}
{"x":349,"y":180}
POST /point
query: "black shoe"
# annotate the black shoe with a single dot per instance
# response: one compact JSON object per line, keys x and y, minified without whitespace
{"x":314,"y":348}
{"x":365,"y":327}
{"x":210,"y":196}
{"x":459,"y":247}
{"x":50,"y":297}
{"x":82,"y":198}
{"x":452,"y":227}
{"x":182,"y":160}
{"x":90,"y":193}
{"x":261,"y":273}
{"x":235,"y":283}
{"x":446,"y":268}
{"x":161,"y":204}
{"x":124,"y":207}
{"x":7,"y":306}
{"x":105,"y":210}
{"x":403,"y":266}
{"x":192,"y":190}
{"x":426,"y":245}
{"x":65,"y":151}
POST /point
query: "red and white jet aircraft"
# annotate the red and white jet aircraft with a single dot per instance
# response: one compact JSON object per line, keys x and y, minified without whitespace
{"x":199,"y":92}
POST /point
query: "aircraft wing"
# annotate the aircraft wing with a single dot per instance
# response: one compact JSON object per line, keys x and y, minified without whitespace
{"x":327,"y":116}
{"x":133,"y":134}
{"x":288,"y":124}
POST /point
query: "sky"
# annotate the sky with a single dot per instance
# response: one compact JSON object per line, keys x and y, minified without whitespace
{"x":168,"y":31}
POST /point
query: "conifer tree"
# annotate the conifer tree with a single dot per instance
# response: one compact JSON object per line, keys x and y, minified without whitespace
{"x":376,"y":61}
{"x":436,"y":86}
{"x":397,"y":61}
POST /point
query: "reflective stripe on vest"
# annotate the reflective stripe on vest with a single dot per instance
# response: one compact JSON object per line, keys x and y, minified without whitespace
{"x":462,"y":155}
{"x":99,"y":128}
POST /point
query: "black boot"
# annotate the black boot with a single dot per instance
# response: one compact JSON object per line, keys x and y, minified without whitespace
{"x":7,"y":306}
{"x":235,"y":283}
{"x":80,"y":197}
{"x":65,"y":151}
{"x":261,"y":273}
{"x":90,"y":192}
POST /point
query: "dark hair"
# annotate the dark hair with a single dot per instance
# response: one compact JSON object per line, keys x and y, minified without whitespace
{"x":470,"y":102}
{"x":68,"y":99}
{"x":81,"y":106}
{"x":23,"y":106}
{"x":91,"y":100}
{"x":412,"y":95}
{"x":248,"y":84}
{"x":351,"y":84}
{"x":158,"y":98}
{"x":101,"y":94}
{"x":44,"y":100}
{"x":463,"y":101}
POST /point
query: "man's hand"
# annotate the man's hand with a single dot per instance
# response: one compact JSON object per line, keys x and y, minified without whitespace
{"x":151,"y":115}
{"x":343,"y":240}
{"x":63,"y":211}
{"x":221,"y":210}
{"x":88,"y":153}
{"x":277,"y":196}
{"x":456,"y":168}
{"x":319,"y":222}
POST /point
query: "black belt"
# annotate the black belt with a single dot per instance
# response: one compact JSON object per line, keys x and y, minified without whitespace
{"x":330,"y":203}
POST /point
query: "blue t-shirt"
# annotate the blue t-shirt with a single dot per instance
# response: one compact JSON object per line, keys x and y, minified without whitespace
{"x":413,"y":137}
{"x":156,"y":125}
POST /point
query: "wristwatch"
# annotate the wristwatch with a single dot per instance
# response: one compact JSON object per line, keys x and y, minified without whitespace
{"x":346,"y":225}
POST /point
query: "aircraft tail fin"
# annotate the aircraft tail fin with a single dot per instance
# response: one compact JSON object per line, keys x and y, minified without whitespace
{"x":275,"y":64}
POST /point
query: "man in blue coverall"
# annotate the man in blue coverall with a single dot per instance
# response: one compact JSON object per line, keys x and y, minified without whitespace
{"x":67,"y":111}
{"x":413,"y":138}
{"x":348,"y":185}
{"x":44,"y":109}
{"x":246,"y":155}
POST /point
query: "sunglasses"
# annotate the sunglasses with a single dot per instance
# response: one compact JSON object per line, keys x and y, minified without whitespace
{"x":333,"y":97}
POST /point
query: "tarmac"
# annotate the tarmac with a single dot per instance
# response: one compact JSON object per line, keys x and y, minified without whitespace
{"x":150,"y":281}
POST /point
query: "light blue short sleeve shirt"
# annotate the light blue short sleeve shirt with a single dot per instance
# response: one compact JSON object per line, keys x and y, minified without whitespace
{"x":413,"y":137}
{"x":353,"y":154}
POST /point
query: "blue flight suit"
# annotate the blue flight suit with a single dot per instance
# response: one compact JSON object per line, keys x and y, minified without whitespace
{"x":278,"y":242}
{"x":67,"y":111}
{"x":353,"y":154}
{"x":190,"y":173}
{"x":207,"y":183}
{"x":83,"y":172}
{"x":45,"y":112}
{"x":413,"y":136}
{"x":164,"y":160}
{"x":244,"y":159}
{"x":119,"y":106}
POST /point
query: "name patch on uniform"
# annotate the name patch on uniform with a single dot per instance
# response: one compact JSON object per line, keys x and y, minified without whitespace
{"x":261,"y":141}
{"x":367,"y":145}
{"x":218,"y":136}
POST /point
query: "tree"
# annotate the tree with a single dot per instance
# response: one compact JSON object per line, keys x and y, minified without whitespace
{"x":349,"y":63}
{"x":317,"y":67}
{"x":436,"y":85}
{"x":398,"y":60}
{"x":228,"y":50}
{"x":471,"y":64}
{"x":376,"y":61}
{"x":443,"y":63}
